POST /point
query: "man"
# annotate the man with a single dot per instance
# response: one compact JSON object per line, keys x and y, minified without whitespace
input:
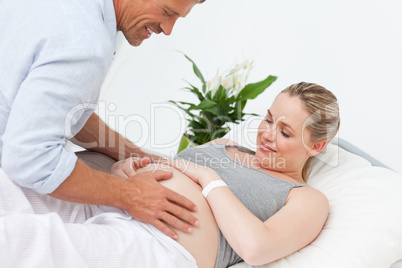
{"x":54,"y":55}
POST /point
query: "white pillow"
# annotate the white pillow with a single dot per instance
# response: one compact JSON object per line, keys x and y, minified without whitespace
{"x":364,"y":227}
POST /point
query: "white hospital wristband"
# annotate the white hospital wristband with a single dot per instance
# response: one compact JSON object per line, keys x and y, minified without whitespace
{"x":212,"y":185}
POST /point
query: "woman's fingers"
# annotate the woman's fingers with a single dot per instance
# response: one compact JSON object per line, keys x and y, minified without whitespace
{"x":162,"y":175}
{"x":139,"y":162}
{"x":118,"y":170}
{"x":183,"y":166}
{"x":127,"y":167}
{"x":194,"y":171}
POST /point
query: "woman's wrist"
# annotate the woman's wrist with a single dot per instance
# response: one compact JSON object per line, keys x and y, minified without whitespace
{"x":213,"y":176}
{"x":211,"y":186}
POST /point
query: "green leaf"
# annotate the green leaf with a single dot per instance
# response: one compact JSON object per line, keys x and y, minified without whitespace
{"x":187,"y":110}
{"x":219,"y":133}
{"x":195,"y":91}
{"x":239,"y":106}
{"x":223,"y":96}
{"x":243,"y":104}
{"x":216,"y":110}
{"x":191,"y":106}
{"x":182,"y":102}
{"x":251,"y":91}
{"x":231,"y":100}
{"x":252,"y":114}
{"x":209,"y":95}
{"x":197,"y":71}
{"x":205,"y":104}
{"x":195,"y":125}
{"x":218,"y":94}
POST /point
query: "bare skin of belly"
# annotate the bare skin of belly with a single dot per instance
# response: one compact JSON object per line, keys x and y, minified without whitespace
{"x":202,"y":242}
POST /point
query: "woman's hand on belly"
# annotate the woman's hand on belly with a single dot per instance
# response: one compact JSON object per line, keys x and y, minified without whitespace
{"x":200,"y":174}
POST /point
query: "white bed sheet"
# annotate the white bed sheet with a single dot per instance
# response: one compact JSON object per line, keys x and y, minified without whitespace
{"x":364,"y":228}
{"x":34,"y":235}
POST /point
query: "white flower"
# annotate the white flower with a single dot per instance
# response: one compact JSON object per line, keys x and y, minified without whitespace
{"x":213,"y":84}
{"x":233,"y":79}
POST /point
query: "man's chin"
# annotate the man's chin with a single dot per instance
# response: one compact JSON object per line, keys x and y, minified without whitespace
{"x":135,"y":43}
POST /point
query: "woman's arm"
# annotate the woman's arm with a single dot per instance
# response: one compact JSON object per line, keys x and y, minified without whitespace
{"x":293,"y":227}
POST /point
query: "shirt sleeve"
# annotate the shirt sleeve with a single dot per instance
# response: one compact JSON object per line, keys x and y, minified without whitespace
{"x":54,"y":101}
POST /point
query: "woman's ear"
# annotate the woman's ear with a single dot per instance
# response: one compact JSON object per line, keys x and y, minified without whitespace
{"x":317,"y":147}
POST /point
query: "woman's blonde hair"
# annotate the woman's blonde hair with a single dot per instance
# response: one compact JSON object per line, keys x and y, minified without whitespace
{"x":322,"y":105}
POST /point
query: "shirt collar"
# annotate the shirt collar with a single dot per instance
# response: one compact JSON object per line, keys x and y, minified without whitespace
{"x":109,"y":17}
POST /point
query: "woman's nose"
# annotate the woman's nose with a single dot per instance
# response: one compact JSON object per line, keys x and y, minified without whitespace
{"x":269,"y":134}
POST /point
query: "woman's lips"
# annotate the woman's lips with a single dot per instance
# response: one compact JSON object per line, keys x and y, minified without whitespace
{"x":265,"y":148}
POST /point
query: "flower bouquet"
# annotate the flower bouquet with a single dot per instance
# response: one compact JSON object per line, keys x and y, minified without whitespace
{"x":221,"y":101}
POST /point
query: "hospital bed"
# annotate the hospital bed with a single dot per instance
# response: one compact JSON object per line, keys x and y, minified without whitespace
{"x":364,"y":227}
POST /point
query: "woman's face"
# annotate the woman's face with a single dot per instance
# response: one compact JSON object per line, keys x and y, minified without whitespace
{"x":283,"y":141}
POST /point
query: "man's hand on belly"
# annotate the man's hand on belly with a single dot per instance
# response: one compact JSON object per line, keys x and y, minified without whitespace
{"x":148,"y":201}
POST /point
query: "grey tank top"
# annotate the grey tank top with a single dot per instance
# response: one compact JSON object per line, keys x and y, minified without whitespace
{"x":262,"y":193}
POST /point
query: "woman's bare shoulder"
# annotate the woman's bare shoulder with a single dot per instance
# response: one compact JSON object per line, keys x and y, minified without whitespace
{"x":299,"y":222}
{"x":308,"y":196}
{"x":223,"y":141}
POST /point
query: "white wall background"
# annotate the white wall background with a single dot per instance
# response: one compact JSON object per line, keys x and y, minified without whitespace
{"x":354,"y":48}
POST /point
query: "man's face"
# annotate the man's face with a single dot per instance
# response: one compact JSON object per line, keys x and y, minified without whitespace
{"x":138,"y":19}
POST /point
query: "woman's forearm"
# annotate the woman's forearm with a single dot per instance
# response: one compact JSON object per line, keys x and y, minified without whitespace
{"x":291,"y":228}
{"x":255,"y":241}
{"x":245,"y":233}
{"x":241,"y":228}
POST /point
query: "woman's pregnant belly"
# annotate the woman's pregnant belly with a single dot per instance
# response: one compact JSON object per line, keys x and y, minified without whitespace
{"x":202,"y":242}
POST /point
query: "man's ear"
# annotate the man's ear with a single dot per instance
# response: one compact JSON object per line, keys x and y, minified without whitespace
{"x":317,"y":147}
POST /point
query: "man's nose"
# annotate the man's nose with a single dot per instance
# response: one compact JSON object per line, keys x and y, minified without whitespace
{"x":167,"y":25}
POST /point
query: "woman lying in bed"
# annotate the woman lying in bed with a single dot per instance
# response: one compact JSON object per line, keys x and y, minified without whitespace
{"x":267,"y":211}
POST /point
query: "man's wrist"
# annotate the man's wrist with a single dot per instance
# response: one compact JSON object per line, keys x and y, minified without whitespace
{"x":88,"y":186}
{"x":118,"y":190}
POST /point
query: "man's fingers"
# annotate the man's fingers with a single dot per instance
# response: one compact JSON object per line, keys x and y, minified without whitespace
{"x":181,"y":218}
{"x":180,"y":200}
{"x":166,"y":210}
{"x":176,"y":223}
{"x":165,"y":229}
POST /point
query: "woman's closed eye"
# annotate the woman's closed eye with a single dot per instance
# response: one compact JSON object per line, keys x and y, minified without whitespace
{"x":285,"y":134}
